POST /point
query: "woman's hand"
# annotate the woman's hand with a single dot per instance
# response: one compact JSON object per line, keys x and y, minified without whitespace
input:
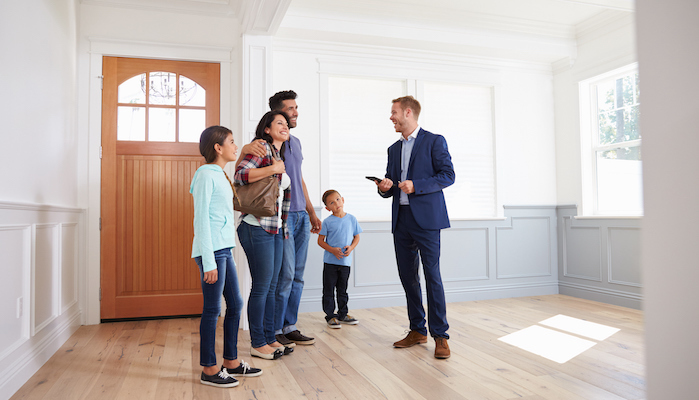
{"x":278,"y":166}
{"x":211,"y":277}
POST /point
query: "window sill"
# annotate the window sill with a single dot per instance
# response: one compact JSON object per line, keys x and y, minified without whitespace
{"x":608,"y":217}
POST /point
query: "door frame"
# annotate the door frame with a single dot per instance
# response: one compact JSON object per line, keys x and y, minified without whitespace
{"x":90,"y":126}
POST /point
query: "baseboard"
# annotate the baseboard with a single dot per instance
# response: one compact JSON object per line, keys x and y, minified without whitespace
{"x":397,"y":298}
{"x":29,"y":360}
{"x":609,"y":296}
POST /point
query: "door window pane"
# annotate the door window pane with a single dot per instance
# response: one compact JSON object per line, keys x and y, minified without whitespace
{"x":191,"y":93}
{"x":131,"y":123}
{"x":133,"y":90}
{"x":192,"y":123}
{"x":161,"y":125}
{"x":162,"y":88}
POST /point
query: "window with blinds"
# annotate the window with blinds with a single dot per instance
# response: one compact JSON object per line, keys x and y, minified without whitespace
{"x":360,"y":133}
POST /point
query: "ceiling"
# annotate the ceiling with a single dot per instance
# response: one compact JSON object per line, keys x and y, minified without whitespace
{"x":532,"y":30}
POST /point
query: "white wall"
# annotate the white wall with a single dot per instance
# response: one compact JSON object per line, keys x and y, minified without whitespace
{"x":524,"y":124}
{"x":603,"y":45}
{"x":38,"y":140}
{"x":668,"y":59}
{"x":42,"y":230}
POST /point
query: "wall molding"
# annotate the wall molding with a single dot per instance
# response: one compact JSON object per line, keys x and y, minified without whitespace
{"x":9,"y":205}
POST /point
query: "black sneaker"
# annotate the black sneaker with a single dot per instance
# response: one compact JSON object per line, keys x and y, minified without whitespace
{"x":221,"y":379}
{"x":244,"y":369}
{"x":298,"y":338}
{"x":284,"y":341}
{"x":348,"y":319}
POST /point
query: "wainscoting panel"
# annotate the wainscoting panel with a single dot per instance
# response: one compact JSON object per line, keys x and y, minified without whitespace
{"x":15,"y":245}
{"x":624,"y":256}
{"x":600,"y":258}
{"x":525,"y":249}
{"x":69,"y":257}
{"x":464,"y":254}
{"x":40,"y":290}
{"x":45,"y":282}
{"x":582,"y":250}
{"x":375,"y":260}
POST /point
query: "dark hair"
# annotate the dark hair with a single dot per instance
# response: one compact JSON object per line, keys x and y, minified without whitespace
{"x":328,"y":193}
{"x":266,"y":122}
{"x":276,"y":102}
{"x":209,"y":137}
{"x":409,"y":102}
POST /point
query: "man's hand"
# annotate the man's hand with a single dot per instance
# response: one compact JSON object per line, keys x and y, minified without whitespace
{"x":256,"y":148}
{"x":316,"y":223}
{"x":385,"y":185}
{"x":407,"y":187}
{"x":211,"y":277}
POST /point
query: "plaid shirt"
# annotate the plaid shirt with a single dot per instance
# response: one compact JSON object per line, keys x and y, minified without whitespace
{"x":269,"y":224}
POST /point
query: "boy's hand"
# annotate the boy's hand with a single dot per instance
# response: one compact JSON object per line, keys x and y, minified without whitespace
{"x":348,"y":250}
{"x":338,"y":252}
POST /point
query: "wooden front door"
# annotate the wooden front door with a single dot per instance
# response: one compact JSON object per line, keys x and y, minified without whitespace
{"x":153,"y":113}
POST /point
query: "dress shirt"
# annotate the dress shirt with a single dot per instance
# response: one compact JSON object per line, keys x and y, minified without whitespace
{"x":405,"y":151}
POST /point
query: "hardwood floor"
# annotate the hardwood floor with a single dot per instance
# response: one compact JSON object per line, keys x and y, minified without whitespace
{"x":159,"y":359}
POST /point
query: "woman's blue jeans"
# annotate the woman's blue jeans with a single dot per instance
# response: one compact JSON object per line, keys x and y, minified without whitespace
{"x":226,"y":285}
{"x":264,"y":252}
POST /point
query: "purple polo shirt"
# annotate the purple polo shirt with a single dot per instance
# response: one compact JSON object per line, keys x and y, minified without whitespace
{"x":292,"y":162}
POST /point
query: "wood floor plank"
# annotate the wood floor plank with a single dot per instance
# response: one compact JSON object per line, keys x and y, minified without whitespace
{"x":159,"y":359}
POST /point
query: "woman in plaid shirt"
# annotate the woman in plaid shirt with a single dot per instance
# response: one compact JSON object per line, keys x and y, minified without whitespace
{"x":262,"y":237}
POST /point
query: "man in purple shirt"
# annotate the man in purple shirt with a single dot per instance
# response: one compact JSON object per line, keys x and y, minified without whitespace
{"x":302,"y":221}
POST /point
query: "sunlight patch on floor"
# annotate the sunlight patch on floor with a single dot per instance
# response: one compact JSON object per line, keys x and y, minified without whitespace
{"x":556,"y":345}
{"x":580,"y":327}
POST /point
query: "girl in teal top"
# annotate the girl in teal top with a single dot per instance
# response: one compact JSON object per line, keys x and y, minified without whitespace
{"x":214,"y":237}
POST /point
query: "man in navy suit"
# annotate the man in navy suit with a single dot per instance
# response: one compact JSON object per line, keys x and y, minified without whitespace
{"x":419,"y":167}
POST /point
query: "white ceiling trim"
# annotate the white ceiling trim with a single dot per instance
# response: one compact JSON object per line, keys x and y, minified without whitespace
{"x":227,"y":8}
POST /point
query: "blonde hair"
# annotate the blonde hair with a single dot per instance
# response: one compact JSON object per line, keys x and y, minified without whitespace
{"x":411,"y":103}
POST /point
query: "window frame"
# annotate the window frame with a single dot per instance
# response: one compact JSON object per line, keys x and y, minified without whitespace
{"x":590,"y":146}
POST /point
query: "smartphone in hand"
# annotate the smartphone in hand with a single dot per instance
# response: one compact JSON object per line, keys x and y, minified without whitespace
{"x":375,"y":179}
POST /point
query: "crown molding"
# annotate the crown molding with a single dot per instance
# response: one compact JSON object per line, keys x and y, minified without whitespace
{"x":219,"y":8}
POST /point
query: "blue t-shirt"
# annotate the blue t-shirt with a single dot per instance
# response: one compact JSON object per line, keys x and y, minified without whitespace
{"x":339,"y":232}
{"x":293,"y":157}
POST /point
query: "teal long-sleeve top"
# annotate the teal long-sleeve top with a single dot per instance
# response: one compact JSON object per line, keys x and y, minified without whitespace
{"x":214,"y":224}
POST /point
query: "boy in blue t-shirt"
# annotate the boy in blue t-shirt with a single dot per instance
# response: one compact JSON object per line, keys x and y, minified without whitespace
{"x":339,"y":235}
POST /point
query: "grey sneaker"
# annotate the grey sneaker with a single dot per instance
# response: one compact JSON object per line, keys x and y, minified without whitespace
{"x":348,"y":319}
{"x":221,"y":379}
{"x":334,"y":323}
{"x":284,"y":341}
{"x":299,"y":338}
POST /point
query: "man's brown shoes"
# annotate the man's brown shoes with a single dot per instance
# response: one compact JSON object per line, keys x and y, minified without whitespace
{"x":413,"y":338}
{"x":441,"y":348}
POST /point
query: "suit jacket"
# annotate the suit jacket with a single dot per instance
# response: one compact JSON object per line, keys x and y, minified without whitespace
{"x":431,"y":170}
